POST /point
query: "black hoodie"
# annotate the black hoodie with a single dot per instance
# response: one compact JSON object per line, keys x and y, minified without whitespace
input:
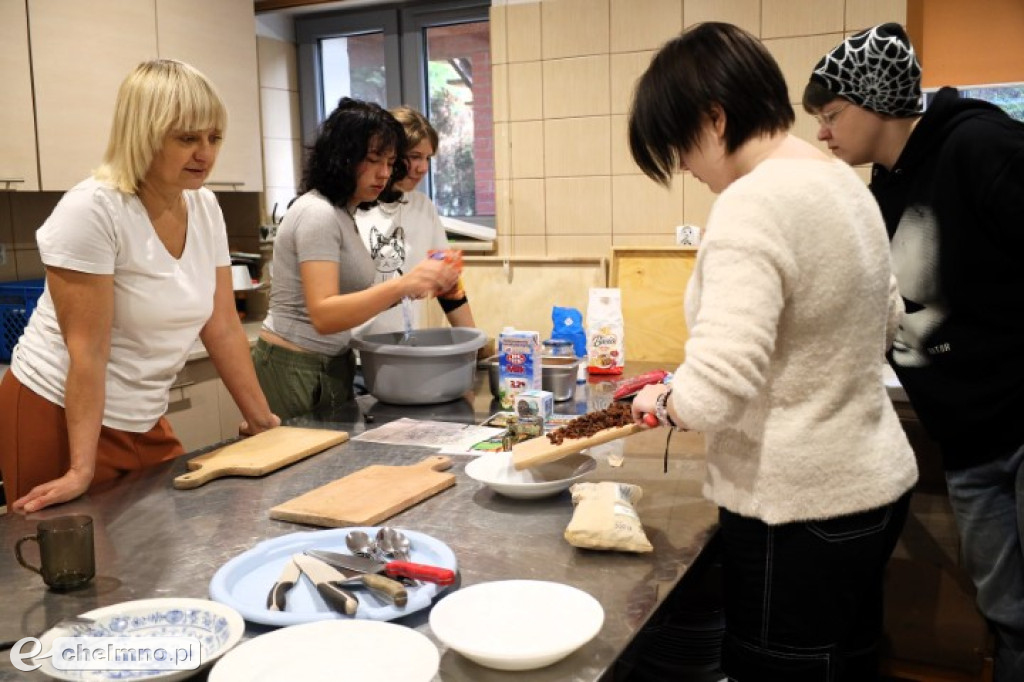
{"x":954,"y":207}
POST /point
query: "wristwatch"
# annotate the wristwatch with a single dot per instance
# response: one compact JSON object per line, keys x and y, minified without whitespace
{"x":661,"y":409}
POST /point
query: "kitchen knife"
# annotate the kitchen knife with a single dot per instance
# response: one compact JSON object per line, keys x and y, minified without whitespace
{"x":325,"y":579}
{"x":393,"y":569}
{"x":386,"y":588}
{"x":276,"y":597}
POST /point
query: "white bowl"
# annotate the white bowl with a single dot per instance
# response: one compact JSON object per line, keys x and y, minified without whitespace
{"x":496,"y":471}
{"x":218,"y":627}
{"x":516,"y":624}
{"x":330,"y":650}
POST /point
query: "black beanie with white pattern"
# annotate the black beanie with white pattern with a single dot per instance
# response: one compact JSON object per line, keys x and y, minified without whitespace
{"x":875,"y":69}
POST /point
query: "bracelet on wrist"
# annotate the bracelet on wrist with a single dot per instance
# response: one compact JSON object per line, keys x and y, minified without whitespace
{"x":661,"y":409}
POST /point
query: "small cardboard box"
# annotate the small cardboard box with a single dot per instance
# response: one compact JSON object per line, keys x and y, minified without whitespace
{"x":535,"y":403}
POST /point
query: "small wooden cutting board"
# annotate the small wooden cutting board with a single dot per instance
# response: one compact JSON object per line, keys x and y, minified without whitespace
{"x":540,"y":450}
{"x":369,"y":495}
{"x":258,"y":455}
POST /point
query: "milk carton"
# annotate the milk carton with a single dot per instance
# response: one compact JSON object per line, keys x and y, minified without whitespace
{"x":519,"y":364}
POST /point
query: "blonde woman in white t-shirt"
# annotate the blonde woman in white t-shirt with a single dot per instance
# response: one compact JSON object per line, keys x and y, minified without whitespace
{"x":400,"y":234}
{"x":137,"y":268}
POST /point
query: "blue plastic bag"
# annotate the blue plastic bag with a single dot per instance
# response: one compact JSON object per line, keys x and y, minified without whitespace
{"x":567,"y":323}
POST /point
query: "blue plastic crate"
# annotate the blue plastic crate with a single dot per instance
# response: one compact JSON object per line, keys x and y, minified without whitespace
{"x":17,"y":301}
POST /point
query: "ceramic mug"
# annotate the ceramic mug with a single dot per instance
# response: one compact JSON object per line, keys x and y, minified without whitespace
{"x":67,"y":559}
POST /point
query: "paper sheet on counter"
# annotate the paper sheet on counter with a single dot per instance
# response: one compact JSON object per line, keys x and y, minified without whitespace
{"x":447,"y":437}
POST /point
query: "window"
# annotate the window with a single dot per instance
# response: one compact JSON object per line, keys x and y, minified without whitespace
{"x":434,"y":57}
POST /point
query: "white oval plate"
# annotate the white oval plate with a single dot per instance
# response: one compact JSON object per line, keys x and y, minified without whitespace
{"x":516,"y":624}
{"x":495,"y":470}
{"x":244,"y":581}
{"x":332,"y":650}
{"x":217,"y":627}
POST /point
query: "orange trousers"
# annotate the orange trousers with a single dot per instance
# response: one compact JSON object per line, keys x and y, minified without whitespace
{"x":34,"y":444}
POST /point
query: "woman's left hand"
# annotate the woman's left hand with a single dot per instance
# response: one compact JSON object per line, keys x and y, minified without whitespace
{"x":63,"y":489}
{"x":247,"y":429}
{"x":645,"y":402}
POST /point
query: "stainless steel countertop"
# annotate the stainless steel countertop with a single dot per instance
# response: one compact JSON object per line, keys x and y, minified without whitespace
{"x":155,"y":541}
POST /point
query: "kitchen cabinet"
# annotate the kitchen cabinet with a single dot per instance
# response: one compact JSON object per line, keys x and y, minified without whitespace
{"x":201,"y":410}
{"x":82,"y":51}
{"x":219,"y":39}
{"x":18,"y":168}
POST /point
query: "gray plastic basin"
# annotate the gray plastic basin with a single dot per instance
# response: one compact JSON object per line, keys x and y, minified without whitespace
{"x":432,"y":366}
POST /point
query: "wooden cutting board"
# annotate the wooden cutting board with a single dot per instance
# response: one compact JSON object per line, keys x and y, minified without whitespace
{"x":369,"y":495}
{"x":540,"y":450}
{"x":259,"y":454}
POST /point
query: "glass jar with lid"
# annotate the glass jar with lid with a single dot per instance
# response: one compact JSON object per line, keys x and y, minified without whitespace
{"x":559,"y":348}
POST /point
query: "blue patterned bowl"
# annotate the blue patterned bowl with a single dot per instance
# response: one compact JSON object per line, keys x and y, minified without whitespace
{"x":218,"y":627}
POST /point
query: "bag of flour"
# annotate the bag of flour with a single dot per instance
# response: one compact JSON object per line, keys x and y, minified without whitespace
{"x":605,"y":517}
{"x":605,"y":329}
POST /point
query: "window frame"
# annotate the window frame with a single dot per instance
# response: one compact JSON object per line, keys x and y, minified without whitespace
{"x":406,"y":64}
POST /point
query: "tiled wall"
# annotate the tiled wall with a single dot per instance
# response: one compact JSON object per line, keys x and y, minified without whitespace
{"x":279,"y":107}
{"x":564,"y":72}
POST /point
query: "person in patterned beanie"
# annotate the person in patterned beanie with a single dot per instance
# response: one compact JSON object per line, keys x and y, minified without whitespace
{"x":950,"y":184}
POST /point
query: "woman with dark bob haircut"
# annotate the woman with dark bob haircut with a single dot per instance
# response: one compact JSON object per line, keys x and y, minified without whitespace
{"x":790,"y":309}
{"x":323,"y":276}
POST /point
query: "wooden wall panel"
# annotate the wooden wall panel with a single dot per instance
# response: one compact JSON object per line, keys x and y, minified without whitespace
{"x":653,"y":281}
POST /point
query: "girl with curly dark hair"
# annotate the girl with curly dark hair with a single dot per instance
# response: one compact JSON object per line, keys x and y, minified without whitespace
{"x":323,"y":275}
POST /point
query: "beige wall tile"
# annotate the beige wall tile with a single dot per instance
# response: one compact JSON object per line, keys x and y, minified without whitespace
{"x":499,"y":92}
{"x":28,"y":264}
{"x":579,"y":206}
{"x":641,"y":206}
{"x":861,"y":14}
{"x":574,"y":28}
{"x":583,"y":245}
{"x":499,"y":32}
{"x":625,"y":70}
{"x":797,"y":57}
{"x":744,"y":13}
{"x":282,"y":161}
{"x":644,"y":24}
{"x":528,"y":207}
{"x":526,"y":146}
{"x":644,"y":239}
{"x":622,"y":160}
{"x":280,"y":112}
{"x":697,"y":201}
{"x":577,"y":146}
{"x":783,"y":18}
{"x":277,"y":64}
{"x":502,"y":152}
{"x":502,"y":207}
{"x":525,"y":92}
{"x":523,"y":36}
{"x":806,"y":128}
{"x":528,"y":246}
{"x":576,"y":87}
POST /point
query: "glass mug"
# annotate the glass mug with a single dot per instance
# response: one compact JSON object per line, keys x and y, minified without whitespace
{"x":67,"y":560}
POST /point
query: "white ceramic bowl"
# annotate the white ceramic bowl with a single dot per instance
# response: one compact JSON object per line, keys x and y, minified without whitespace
{"x":495,"y":470}
{"x":516,"y":624}
{"x":218,"y":627}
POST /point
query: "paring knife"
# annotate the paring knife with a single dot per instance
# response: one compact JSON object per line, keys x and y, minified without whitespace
{"x":276,"y":597}
{"x":326,"y":578}
{"x":393,"y":569}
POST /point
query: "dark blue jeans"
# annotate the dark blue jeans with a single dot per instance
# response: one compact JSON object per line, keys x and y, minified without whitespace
{"x":988,"y":502}
{"x":803,"y":601}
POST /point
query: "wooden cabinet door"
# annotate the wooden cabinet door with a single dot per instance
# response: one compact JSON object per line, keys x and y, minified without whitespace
{"x":18,"y":168}
{"x":219,"y":39}
{"x":81,"y":51}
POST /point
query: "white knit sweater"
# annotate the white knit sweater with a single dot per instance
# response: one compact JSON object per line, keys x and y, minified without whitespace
{"x":790,"y":309}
